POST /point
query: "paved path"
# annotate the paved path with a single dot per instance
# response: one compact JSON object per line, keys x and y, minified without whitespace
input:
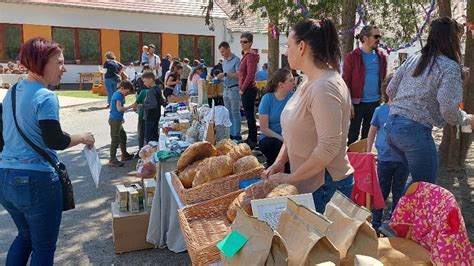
{"x":86,"y":234}
{"x":64,"y":101}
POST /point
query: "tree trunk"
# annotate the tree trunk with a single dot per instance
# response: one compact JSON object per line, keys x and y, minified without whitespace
{"x":273,"y":48}
{"x":348,"y":21}
{"x":455,"y":144}
{"x":444,"y":8}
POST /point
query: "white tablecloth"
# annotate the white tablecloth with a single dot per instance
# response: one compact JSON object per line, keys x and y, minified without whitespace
{"x":163,"y":227}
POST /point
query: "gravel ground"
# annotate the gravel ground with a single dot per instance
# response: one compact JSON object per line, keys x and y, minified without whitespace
{"x":86,"y":233}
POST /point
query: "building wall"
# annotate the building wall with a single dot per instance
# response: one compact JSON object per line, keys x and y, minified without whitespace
{"x":40,"y":18}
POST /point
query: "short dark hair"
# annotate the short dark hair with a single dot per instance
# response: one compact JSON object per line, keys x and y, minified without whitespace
{"x":148,"y":75}
{"x":35,"y":53}
{"x":366,"y":31}
{"x":126,"y":85}
{"x":247,"y":35}
{"x":224,"y":44}
{"x":322,"y":37}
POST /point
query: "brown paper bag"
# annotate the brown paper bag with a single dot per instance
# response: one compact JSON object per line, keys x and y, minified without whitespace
{"x":401,"y":251}
{"x":304,"y":232}
{"x":257,"y":248}
{"x":278,"y":253}
{"x":349,"y":231}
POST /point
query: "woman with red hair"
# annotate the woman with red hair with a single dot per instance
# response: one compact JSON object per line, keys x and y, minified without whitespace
{"x":30,"y":189}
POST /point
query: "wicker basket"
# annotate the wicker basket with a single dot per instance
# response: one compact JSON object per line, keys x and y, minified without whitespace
{"x":213,"y":189}
{"x":205,"y":224}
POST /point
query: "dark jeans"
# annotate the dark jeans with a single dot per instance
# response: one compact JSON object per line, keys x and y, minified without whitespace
{"x":392,"y":177}
{"x":184,"y":83}
{"x":324,"y":194}
{"x":362,"y":116}
{"x":414,"y":142}
{"x":151,"y":130}
{"x":270,"y":147}
{"x":141,"y":133}
{"x":119,"y":138}
{"x":248,"y":101}
{"x":34,"y":201}
{"x":111,"y":87}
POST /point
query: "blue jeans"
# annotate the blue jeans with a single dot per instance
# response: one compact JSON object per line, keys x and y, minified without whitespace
{"x":324,"y":194}
{"x":232,"y":103}
{"x":151,"y":130}
{"x":414,"y":143}
{"x":111,"y":87}
{"x":392,"y":177}
{"x":34,"y":201}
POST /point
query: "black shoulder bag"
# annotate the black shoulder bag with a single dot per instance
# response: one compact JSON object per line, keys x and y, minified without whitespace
{"x":68,"y":193}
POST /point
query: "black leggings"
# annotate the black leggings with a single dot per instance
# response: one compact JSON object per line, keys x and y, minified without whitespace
{"x":270,"y":147}
{"x":248,"y":101}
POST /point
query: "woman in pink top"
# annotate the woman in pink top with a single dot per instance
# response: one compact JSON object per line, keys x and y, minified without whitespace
{"x":315,"y":121}
{"x":248,"y":90}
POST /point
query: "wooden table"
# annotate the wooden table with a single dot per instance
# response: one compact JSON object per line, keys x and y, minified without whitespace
{"x":90,"y":77}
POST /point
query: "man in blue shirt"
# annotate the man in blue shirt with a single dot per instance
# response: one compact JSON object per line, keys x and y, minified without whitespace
{"x":231,"y":66}
{"x":364,"y":70}
{"x":117,"y":133}
{"x":262,"y":74}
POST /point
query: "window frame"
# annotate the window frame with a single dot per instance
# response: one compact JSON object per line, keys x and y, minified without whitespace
{"x":140,"y":42}
{"x":3,"y":38}
{"x":196,"y":44}
{"x":77,"y":50}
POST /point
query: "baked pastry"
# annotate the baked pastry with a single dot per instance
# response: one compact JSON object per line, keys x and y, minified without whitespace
{"x":195,"y":152}
{"x":240,"y":151}
{"x":187,"y":175}
{"x":225,"y":146}
{"x":246,"y":163}
{"x":256,"y":191}
{"x":283,"y":190}
{"x":213,"y":168}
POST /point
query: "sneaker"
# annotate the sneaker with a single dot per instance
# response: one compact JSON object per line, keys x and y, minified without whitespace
{"x":115,"y":163}
{"x":126,"y":157}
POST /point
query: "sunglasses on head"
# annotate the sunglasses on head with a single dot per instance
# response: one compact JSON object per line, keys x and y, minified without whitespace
{"x":244,"y":41}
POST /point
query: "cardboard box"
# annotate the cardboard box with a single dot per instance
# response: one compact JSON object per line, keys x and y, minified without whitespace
{"x":133,"y":200}
{"x":149,"y":186}
{"x":121,"y":197}
{"x":129,"y":230}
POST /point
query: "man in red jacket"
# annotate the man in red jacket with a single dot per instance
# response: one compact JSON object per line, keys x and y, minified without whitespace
{"x":364,"y":70}
{"x":248,"y":90}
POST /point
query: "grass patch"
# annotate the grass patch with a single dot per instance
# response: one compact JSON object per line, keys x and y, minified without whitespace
{"x":80,"y":94}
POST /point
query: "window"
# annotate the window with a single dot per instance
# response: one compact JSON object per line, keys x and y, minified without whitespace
{"x":131,"y":45}
{"x":80,"y":46}
{"x":197,"y":47}
{"x":10,"y":41}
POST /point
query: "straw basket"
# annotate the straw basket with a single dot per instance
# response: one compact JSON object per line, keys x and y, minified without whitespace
{"x":213,"y":189}
{"x":203,"y":225}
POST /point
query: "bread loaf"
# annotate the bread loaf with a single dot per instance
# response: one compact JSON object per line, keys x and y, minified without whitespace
{"x":283,"y":190}
{"x":195,"y":152}
{"x":225,"y":146}
{"x":256,"y":191}
{"x":246,"y":163}
{"x":188,"y":174}
{"x":213,"y":168}
{"x":240,"y":151}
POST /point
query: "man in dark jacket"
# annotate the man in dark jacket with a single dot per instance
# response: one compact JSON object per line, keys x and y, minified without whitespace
{"x":364,"y":70}
{"x":165,"y":66}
